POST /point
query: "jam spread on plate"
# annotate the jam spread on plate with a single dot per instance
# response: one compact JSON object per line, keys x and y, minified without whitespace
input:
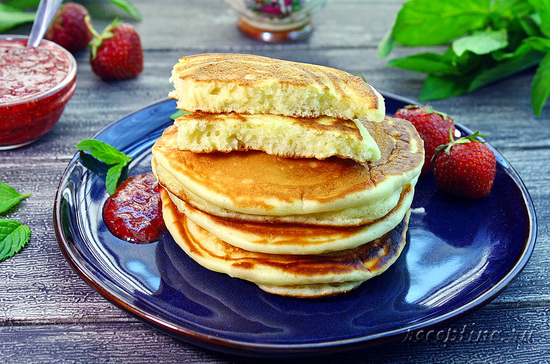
{"x":134,"y":212}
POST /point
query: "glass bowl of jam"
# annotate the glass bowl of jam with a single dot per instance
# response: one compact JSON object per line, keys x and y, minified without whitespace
{"x":35,"y":85}
{"x":275,"y":21}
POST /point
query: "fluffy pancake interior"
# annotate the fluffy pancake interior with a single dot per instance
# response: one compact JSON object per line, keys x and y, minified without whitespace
{"x":284,"y":136}
{"x":259,"y":85}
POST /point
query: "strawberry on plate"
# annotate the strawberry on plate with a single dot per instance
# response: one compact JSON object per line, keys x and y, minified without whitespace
{"x":69,"y":28}
{"x":432,"y":126}
{"x":116,"y":53}
{"x":465,"y":167}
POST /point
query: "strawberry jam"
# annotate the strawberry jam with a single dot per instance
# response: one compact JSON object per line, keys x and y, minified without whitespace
{"x":35,"y":85}
{"x":134,"y":212}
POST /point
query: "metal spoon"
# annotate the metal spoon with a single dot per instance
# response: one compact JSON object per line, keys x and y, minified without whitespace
{"x":44,"y":15}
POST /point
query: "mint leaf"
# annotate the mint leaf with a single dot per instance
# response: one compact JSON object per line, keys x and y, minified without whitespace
{"x":541,"y":85}
{"x":9,"y":197}
{"x":505,"y":69}
{"x":130,"y":9}
{"x":386,"y":45}
{"x":23,"y":4}
{"x":104,"y":152}
{"x":113,"y":176}
{"x":442,"y":87}
{"x":428,"y":22}
{"x":483,"y":42}
{"x":543,"y":7}
{"x":11,"y":17}
{"x":109,"y":155}
{"x":177,"y":114}
{"x":425,"y":63}
{"x":13,"y":237}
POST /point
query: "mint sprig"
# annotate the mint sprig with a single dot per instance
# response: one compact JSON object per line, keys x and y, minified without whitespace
{"x":9,"y":197}
{"x":13,"y":235}
{"x":487,"y":40}
{"x":110,"y":156}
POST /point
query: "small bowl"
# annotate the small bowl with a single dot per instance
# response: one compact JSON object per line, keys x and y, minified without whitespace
{"x":31,"y":113}
{"x":276,"y":21}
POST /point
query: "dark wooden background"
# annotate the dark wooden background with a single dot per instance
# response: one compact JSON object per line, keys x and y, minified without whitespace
{"x":48,"y":313}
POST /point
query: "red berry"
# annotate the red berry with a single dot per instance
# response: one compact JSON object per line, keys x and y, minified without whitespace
{"x":465,"y":167}
{"x":432,"y":126}
{"x":116,"y":53}
{"x":69,"y":29}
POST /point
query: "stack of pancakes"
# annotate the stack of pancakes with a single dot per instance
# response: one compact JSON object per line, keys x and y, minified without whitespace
{"x":285,"y":174}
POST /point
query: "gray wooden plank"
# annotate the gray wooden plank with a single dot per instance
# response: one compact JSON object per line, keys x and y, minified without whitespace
{"x":518,"y":335}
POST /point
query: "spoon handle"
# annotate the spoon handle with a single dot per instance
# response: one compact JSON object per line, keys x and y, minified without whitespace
{"x":44,"y":15}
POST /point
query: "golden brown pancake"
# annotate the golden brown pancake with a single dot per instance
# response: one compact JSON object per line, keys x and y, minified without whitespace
{"x":286,"y":274}
{"x":299,"y":239}
{"x":260,"y":184}
{"x":221,"y":83}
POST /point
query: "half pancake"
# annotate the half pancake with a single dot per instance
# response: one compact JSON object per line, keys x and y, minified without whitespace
{"x":220,"y":83}
{"x":260,"y":184}
{"x":298,"y":239}
{"x":285,"y":271}
{"x":283,"y":136}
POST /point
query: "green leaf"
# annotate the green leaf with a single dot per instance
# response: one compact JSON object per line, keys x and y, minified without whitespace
{"x":541,"y":85}
{"x":13,"y":237}
{"x":24,"y":4}
{"x":428,"y":22}
{"x":11,"y":17}
{"x":425,"y":63}
{"x":543,"y":7}
{"x":512,"y":8}
{"x":113,"y":176}
{"x":104,"y":152}
{"x":483,"y":42}
{"x":505,"y":69}
{"x":538,"y":43}
{"x":386,"y":45}
{"x":9,"y":197}
{"x":126,"y":5}
{"x":442,"y":87}
{"x":178,"y":113}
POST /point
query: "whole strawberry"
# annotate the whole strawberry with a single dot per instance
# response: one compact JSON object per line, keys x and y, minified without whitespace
{"x":116,"y":53}
{"x":69,"y":29}
{"x":432,"y":126}
{"x":465,"y":167}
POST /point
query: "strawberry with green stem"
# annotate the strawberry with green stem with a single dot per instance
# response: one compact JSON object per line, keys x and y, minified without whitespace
{"x":116,"y":54}
{"x":465,"y":167}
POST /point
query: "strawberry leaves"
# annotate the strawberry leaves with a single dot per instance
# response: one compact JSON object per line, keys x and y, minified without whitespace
{"x":110,"y":156}
{"x":13,"y":235}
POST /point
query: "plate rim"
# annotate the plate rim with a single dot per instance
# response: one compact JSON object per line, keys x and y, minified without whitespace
{"x":242,"y":347}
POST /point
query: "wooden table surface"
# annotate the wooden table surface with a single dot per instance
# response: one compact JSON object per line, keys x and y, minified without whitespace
{"x":48,"y":313}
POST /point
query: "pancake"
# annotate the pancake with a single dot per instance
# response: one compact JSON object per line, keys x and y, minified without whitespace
{"x":279,"y":135}
{"x":295,"y":239}
{"x":221,"y":83}
{"x":352,"y":216}
{"x":260,"y":184}
{"x":284,"y":274}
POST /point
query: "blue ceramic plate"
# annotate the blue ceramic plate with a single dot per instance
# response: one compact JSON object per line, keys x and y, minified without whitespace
{"x":460,"y":255}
